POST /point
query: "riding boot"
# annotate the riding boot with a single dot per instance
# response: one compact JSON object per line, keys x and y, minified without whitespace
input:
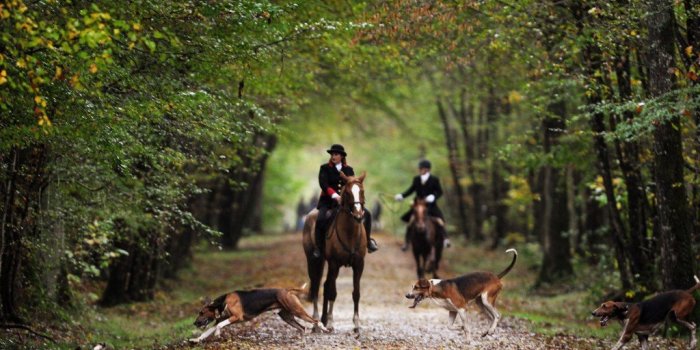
{"x":371,"y":243}
{"x":319,"y":234}
{"x":406,"y":240}
{"x":407,"y":237}
{"x":443,"y":232}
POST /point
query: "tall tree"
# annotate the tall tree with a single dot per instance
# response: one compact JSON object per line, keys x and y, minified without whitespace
{"x":677,"y":259}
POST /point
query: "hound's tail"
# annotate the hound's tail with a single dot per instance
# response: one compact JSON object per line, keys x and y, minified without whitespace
{"x":515,"y":257}
{"x":696,"y":286}
{"x":300,"y":292}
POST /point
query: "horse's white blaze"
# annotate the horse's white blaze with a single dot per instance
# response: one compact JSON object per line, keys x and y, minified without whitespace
{"x":356,"y":195}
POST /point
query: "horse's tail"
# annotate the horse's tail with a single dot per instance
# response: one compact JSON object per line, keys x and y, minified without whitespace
{"x":515,"y":257}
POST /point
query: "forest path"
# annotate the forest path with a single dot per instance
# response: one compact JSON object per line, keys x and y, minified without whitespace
{"x":387,"y":322}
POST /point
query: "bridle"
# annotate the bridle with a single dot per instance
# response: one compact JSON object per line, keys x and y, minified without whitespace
{"x":347,"y":208}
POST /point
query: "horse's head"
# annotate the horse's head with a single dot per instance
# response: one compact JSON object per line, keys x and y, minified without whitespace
{"x":353,"y":195}
{"x":420,"y":211}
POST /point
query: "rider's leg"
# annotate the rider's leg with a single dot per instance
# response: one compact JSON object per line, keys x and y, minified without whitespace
{"x":367,"y":222}
{"x":407,"y":238}
{"x":320,"y":231}
{"x":441,"y":229}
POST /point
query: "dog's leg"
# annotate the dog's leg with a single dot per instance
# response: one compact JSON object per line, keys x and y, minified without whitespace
{"x":463,"y":315}
{"x":204,"y":335}
{"x":691,"y":327}
{"x":495,"y":316}
{"x":453,"y":316}
{"x":292,"y":304}
{"x":289,"y":318}
{"x":211,"y":330}
{"x":644,"y":340}
{"x":221,"y":325}
{"x":624,"y":337}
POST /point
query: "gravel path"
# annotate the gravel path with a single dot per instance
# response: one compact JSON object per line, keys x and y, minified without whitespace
{"x":387,"y":322}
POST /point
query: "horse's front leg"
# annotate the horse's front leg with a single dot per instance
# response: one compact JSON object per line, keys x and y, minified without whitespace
{"x":437,"y":257}
{"x":357,"y":269}
{"x":329,"y":295}
{"x":316,"y":328}
{"x":419,"y":264}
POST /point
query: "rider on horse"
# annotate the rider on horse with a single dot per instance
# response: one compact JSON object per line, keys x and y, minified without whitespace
{"x":330,"y":181}
{"x":427,"y":187}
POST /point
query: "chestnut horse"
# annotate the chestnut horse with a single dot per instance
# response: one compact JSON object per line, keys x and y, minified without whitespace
{"x":346,"y":245}
{"x":427,"y":244}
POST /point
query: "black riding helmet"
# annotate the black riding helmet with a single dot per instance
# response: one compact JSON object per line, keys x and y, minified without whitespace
{"x":424,"y":164}
{"x":336,"y":148}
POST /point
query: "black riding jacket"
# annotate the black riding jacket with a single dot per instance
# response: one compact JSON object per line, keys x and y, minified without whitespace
{"x":330,"y":182}
{"x":431,"y":186}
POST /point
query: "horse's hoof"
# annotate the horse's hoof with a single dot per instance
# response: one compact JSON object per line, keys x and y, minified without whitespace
{"x":356,"y":330}
{"x":316,"y":329}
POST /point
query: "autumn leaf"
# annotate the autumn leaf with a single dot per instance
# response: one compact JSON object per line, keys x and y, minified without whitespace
{"x":59,"y":73}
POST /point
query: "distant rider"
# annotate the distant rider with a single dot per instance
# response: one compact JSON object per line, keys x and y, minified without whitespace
{"x":427,"y":187}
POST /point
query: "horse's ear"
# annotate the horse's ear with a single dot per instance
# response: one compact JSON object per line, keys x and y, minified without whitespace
{"x":362,"y":177}
{"x":343,"y":176}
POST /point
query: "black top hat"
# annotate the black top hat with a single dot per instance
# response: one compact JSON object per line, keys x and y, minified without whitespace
{"x":337,"y":149}
{"x":424,"y":164}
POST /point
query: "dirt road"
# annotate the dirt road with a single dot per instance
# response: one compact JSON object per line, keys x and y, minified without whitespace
{"x":387,"y":322}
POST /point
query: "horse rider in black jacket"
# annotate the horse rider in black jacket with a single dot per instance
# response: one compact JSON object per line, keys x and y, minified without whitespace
{"x":427,"y":187}
{"x":331,"y":183}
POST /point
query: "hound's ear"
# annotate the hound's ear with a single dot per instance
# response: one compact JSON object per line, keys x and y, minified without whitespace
{"x":622,"y":306}
{"x":207,"y":300}
{"x":343,"y":176}
{"x":362,"y":177}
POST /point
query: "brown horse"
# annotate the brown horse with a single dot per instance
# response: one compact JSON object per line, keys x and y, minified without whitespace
{"x":346,"y":245}
{"x":427,"y":244}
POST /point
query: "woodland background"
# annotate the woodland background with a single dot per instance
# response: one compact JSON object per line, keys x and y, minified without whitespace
{"x":132,"y":132}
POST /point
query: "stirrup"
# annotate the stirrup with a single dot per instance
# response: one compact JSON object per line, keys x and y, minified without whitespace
{"x":372,"y":246}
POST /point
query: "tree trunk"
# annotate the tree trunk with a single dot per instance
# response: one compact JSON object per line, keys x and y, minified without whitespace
{"x":640,"y":247}
{"x":677,"y":260}
{"x":692,"y":10}
{"x":462,"y":118}
{"x":556,"y":260}
{"x":500,"y":209}
{"x":240,"y":203}
{"x":535,"y":181}
{"x":453,"y":160}
{"x":616,"y":225}
{"x":23,"y":182}
{"x":594,"y":226}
